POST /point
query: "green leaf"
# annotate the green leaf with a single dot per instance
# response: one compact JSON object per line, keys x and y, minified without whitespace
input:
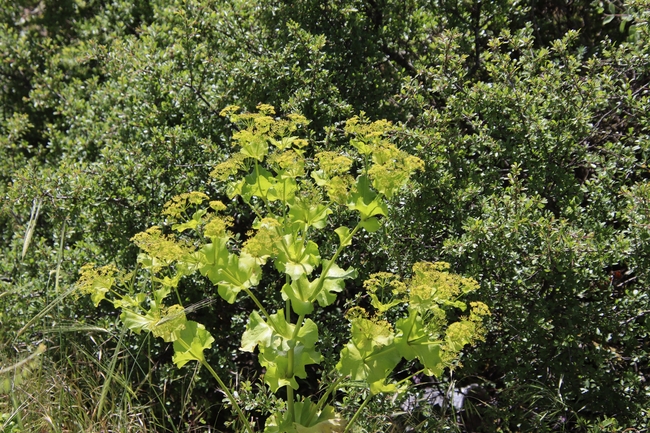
{"x":168,"y":282}
{"x":285,"y":191}
{"x":213,"y":257}
{"x":130,"y":302}
{"x":150,"y":263}
{"x":257,"y":184}
{"x":190,"y":224}
{"x":172,"y":321}
{"x":333,"y":282}
{"x":191,"y":343}
{"x":414,"y":340}
{"x":372,"y":368}
{"x":257,"y":332}
{"x":299,"y":292}
{"x":190,"y":263}
{"x":344,"y":236}
{"x":309,"y":420}
{"x":366,"y":201}
{"x":362,"y":147}
{"x":308,"y":334}
{"x":138,"y":322}
{"x":254,"y":146}
{"x":241,"y":272}
{"x":319,"y":177}
{"x":370,"y":355}
{"x":100,"y":285}
{"x":371,"y":224}
{"x":380,"y":306}
{"x":297,"y":258}
{"x":283,"y":143}
{"x":230,"y":272}
{"x":235,"y":188}
{"x":274,"y":342}
{"x":307,"y":215}
{"x":161,"y":322}
{"x":160,"y":294}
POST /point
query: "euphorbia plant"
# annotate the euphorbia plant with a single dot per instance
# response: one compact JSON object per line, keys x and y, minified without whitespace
{"x":292,"y":196}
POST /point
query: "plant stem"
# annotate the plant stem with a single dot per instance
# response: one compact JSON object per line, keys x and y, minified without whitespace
{"x":329,"y":390}
{"x":223,"y":386}
{"x":358,"y":412}
{"x":339,"y":250}
{"x":229,"y":394}
{"x":259,"y":184}
{"x":259,"y":305}
{"x":290,"y":400}
{"x":290,"y":361}
{"x":17,"y":409}
{"x":109,"y":376}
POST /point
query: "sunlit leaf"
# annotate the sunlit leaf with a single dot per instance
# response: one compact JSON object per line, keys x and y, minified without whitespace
{"x":297,"y":257}
{"x":309,"y":215}
{"x":191,"y":343}
{"x":333,"y":282}
{"x":366,"y":201}
{"x":344,"y":236}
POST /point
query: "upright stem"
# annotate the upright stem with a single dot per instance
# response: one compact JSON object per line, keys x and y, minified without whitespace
{"x":109,"y":376}
{"x":358,"y":412}
{"x":223,"y":386}
{"x":330,"y":389}
{"x":324,"y":272}
{"x":230,"y":396}
{"x":258,"y":304}
{"x":290,"y":360}
{"x":17,"y":408}
{"x":259,"y":184}
{"x":290,"y":400}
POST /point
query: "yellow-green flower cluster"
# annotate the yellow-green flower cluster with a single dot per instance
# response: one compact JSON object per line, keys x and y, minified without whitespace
{"x":478,"y":310}
{"x":261,"y":126}
{"x":217,"y":227}
{"x":254,"y":122}
{"x":338,"y":189}
{"x":333,"y":163}
{"x":461,"y":333}
{"x":229,"y":167}
{"x":432,"y":285}
{"x":159,"y":246}
{"x":178,"y":205}
{"x":332,"y":176}
{"x":218,"y":205}
{"x":172,"y":320}
{"x":286,"y":127}
{"x":230,"y":111}
{"x":360,"y":127}
{"x":392,"y":169}
{"x":96,"y":282}
{"x":356,"y":312}
{"x":384,"y":282}
{"x":290,"y":163}
{"x":264,"y":242}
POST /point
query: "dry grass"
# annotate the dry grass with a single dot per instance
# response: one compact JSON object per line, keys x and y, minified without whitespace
{"x":63,"y":396}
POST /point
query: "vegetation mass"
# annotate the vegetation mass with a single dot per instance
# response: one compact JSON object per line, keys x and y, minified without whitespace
{"x":312,"y":216}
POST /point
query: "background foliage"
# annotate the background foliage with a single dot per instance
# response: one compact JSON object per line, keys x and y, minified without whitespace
{"x":531,"y":117}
